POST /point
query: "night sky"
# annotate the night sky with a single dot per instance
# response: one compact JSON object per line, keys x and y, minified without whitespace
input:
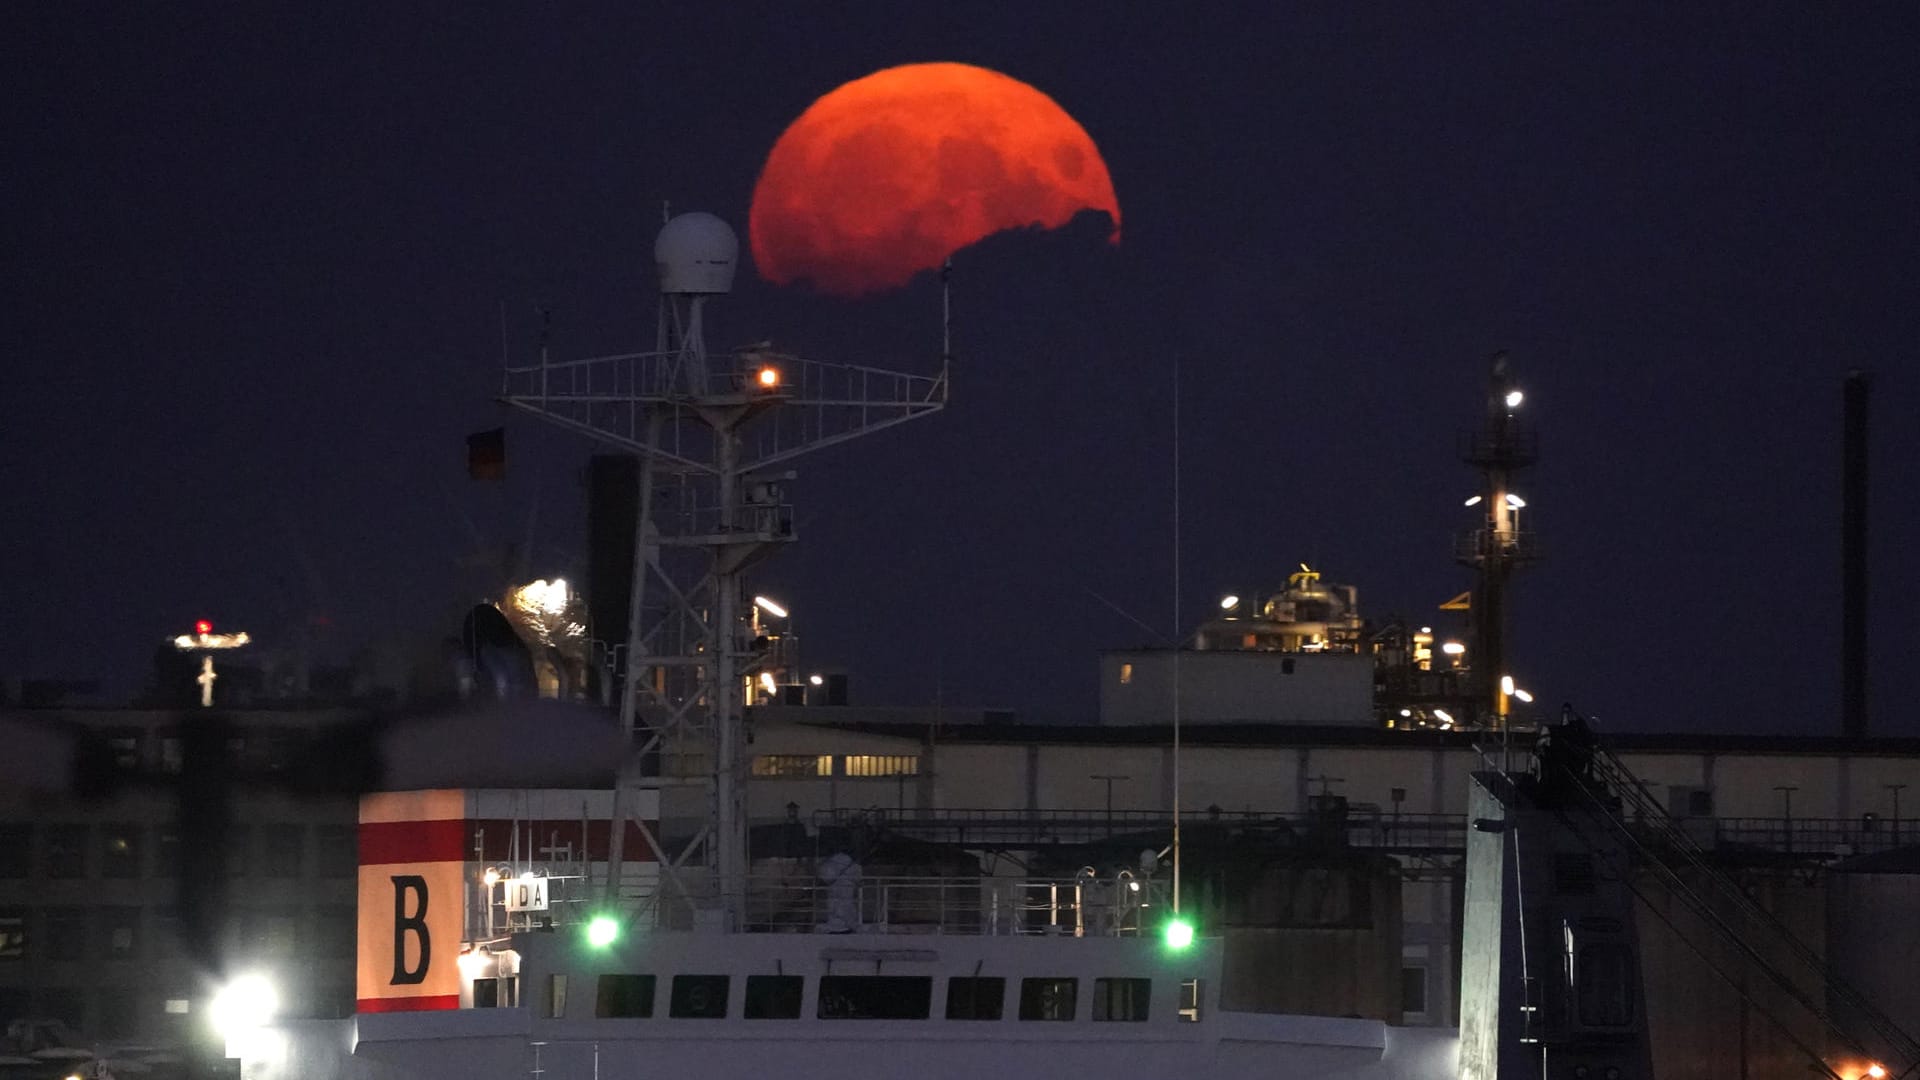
{"x":257,"y":258}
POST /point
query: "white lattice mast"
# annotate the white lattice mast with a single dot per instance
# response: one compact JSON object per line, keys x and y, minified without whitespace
{"x":707,"y":431}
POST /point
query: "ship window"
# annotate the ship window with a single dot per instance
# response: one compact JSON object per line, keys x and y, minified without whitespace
{"x":699,"y":997}
{"x":1126,"y":674}
{"x":875,"y":997}
{"x":979,"y":998}
{"x":1121,"y":999}
{"x":792,"y":766}
{"x":1286,"y":666}
{"x":1190,"y":1001}
{"x":624,"y":996}
{"x":556,"y":996}
{"x":486,"y":993}
{"x":1047,"y":999}
{"x":773,"y":997}
{"x":882,"y":765}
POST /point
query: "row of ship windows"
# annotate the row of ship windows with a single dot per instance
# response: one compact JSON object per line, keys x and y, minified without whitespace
{"x":856,"y":766}
{"x":269,"y":748}
{"x":121,"y":850}
{"x":125,"y":1012}
{"x":859,"y":997}
{"x":62,"y":934}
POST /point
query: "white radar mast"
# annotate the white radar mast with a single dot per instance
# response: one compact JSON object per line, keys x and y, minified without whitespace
{"x":708,"y":432}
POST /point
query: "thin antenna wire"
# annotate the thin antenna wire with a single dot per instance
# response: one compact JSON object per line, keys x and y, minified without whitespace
{"x":946,"y":311}
{"x":504,"y":357}
{"x":1176,"y":635}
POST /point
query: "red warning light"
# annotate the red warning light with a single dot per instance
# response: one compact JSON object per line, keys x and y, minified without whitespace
{"x":203,"y":628}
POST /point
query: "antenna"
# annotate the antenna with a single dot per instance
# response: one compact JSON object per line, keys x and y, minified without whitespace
{"x":708,"y":430}
{"x":1176,"y":635}
{"x":946,"y":312}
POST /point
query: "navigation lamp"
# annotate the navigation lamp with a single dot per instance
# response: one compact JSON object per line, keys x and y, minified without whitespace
{"x":1522,"y":694}
{"x":769,"y":378}
{"x":602,"y":931}
{"x":1475,"y":501}
{"x":1452,"y":648}
{"x":1506,"y":685}
{"x":817,"y":680}
{"x":1443,"y":715}
{"x":491,"y":877}
{"x":1179,"y":933}
{"x":1514,"y":398}
{"x":203,"y":628}
{"x":1229,"y":602}
{"x":1515,"y":501}
{"x":1877,"y":1072}
{"x":246,"y":1003}
{"x":769,"y":607}
{"x":768,"y":684}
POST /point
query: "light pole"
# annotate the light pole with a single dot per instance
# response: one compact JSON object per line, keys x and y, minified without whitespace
{"x":1109,"y":780}
{"x":1508,"y":692}
{"x":1786,"y":795}
{"x":1895,"y":788}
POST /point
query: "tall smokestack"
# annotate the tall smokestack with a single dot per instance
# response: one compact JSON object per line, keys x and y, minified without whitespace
{"x":1853,"y":559}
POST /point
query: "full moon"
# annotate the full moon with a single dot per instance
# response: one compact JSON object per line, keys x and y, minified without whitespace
{"x":890,"y":174}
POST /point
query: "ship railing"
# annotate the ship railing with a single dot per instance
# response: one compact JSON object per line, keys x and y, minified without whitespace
{"x":1359,"y":825}
{"x":807,"y":403}
{"x":1084,"y":906}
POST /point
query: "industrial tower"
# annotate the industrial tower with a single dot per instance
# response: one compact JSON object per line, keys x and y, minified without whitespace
{"x":1500,"y":448}
{"x":710,"y":432}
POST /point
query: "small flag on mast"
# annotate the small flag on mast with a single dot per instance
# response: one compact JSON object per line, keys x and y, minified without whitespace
{"x":487,"y":454}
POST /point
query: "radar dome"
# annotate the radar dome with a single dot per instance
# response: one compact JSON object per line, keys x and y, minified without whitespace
{"x":696,"y":254}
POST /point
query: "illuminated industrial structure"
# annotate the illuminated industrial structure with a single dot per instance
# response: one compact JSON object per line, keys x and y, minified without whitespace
{"x":1304,"y":654}
{"x":1501,"y":448}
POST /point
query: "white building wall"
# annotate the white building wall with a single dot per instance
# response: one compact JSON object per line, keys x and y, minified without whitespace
{"x":1237,"y":687}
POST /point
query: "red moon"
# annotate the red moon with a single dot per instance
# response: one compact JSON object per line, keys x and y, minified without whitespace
{"x":890,"y":174}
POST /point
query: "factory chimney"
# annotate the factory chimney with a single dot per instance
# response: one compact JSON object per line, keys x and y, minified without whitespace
{"x":1853,"y":557}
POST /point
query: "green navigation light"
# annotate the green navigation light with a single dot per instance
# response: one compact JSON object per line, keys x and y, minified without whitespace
{"x":603,"y":931}
{"x":1179,"y":933}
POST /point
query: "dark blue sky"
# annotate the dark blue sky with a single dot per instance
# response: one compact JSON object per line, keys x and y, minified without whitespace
{"x":256,"y":258}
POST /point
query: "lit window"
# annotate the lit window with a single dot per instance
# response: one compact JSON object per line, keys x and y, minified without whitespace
{"x":1126,"y":674}
{"x":870,"y":765}
{"x":793,"y":765}
{"x":177,"y":1006}
{"x":120,"y":851}
{"x":1047,"y":999}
